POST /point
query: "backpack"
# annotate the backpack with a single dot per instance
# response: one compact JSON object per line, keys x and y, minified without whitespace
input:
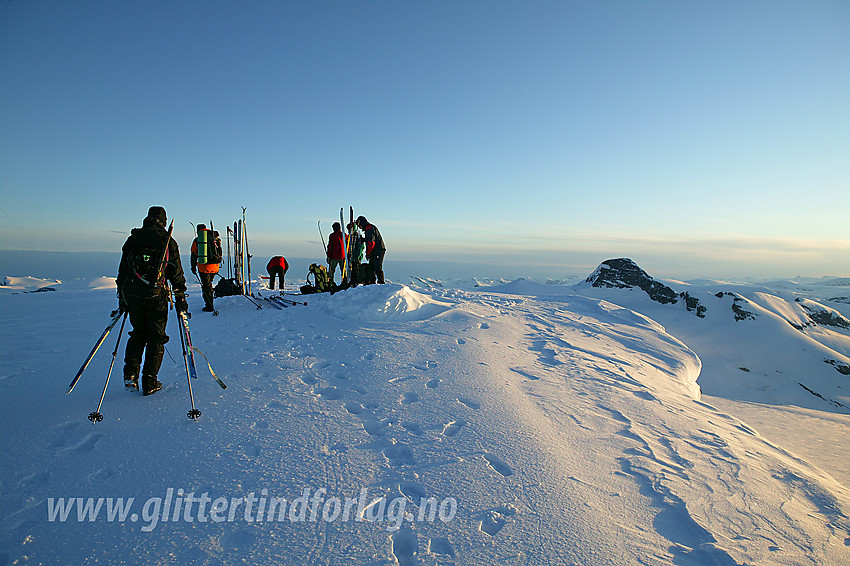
{"x":226,"y":288}
{"x":321,"y":281}
{"x":144,"y":268}
{"x":209,"y":247}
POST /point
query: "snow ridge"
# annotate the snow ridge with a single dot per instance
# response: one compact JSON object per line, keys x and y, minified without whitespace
{"x":568,"y":426}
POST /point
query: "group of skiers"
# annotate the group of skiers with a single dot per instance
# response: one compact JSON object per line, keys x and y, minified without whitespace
{"x":369,"y":247}
{"x":150,"y":262}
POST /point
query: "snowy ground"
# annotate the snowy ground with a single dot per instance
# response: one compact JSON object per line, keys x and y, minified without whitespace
{"x":554,"y":424}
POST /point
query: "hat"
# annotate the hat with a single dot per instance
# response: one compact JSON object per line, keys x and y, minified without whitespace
{"x":157,"y":214}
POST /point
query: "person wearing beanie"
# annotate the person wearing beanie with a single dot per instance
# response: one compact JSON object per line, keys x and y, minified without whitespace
{"x":207,"y":265}
{"x":375,"y":248}
{"x":143,"y":294}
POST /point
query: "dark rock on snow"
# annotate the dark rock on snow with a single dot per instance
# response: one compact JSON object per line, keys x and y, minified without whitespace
{"x":624,"y":273}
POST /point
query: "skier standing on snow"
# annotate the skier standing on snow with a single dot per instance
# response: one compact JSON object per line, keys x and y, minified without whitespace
{"x":143,"y":293}
{"x":336,"y":250}
{"x":277,"y":266}
{"x":206,"y":264}
{"x":375,"y":248}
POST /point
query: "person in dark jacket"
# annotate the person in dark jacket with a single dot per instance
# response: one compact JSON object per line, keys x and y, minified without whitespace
{"x":375,"y":248}
{"x":277,"y":266}
{"x":336,"y":250}
{"x":143,"y":294}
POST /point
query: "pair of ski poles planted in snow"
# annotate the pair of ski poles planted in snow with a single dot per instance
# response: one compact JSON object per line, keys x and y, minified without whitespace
{"x":188,"y":359}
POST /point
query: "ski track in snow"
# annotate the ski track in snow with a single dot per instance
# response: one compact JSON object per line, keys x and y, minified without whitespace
{"x":568,"y":429}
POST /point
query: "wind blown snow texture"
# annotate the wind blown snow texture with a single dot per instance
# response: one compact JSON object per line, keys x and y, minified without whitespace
{"x":568,"y":423}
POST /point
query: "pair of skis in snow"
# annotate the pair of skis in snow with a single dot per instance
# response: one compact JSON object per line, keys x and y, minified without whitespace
{"x":279,"y":301}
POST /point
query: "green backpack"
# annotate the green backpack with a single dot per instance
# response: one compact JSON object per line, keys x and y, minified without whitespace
{"x":321,"y":280}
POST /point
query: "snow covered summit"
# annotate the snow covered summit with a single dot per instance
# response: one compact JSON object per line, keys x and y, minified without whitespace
{"x":547,"y":424}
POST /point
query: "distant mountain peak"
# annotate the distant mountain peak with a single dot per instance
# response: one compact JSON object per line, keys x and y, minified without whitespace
{"x":624,"y":273}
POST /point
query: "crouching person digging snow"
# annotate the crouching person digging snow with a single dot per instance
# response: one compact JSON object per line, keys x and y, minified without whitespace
{"x":150,"y":260}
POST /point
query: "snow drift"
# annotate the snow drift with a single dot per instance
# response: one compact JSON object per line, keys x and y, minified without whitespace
{"x":565,"y":424}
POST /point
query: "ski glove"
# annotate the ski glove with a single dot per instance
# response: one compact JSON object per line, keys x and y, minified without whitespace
{"x":180,"y":304}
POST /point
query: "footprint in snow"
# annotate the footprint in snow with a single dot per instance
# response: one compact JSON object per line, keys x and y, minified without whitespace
{"x":413,"y":428}
{"x":434,"y":383}
{"x":453,"y":427}
{"x":328,"y":393}
{"x":495,"y":519}
{"x":440,"y":546}
{"x":469,"y":403}
{"x":499,"y":465}
{"x":374,"y":427}
{"x":354,"y":408}
{"x":413,"y":491}
{"x":404,"y":546}
{"x":408,"y":398}
{"x":398,"y":454}
{"x":35,"y":480}
{"x":86,"y":444}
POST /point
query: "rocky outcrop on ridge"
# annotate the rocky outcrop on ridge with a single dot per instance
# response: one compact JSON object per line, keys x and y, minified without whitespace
{"x":623,"y":273}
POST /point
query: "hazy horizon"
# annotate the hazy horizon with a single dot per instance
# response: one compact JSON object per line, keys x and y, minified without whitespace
{"x":80,"y":265}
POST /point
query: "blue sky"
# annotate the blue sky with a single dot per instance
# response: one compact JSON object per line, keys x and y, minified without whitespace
{"x":699,"y":138}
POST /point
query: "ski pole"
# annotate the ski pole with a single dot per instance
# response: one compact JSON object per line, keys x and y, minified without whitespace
{"x":290,"y":301}
{"x":115,"y":316}
{"x":193,"y":412}
{"x":229,"y":269}
{"x":256,"y":304}
{"x":322,"y":236}
{"x":96,"y":417}
{"x":247,"y":253}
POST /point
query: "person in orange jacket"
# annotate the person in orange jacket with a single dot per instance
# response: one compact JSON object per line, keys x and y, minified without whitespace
{"x":277,"y":266}
{"x":206,"y":264}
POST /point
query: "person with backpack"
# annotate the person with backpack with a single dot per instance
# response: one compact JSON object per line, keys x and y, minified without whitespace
{"x":375,"y":248}
{"x":277,"y":266}
{"x":150,"y":261}
{"x":206,"y":260}
{"x":336,"y":250}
